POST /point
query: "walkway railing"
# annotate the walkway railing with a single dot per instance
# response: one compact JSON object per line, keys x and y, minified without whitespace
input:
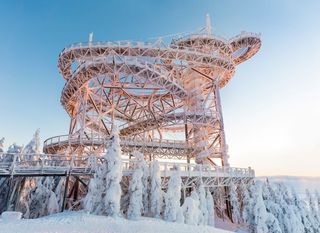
{"x":60,"y":164}
{"x":125,"y":141}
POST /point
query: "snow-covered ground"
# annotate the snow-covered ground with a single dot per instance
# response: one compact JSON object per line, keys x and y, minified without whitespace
{"x":81,"y":222}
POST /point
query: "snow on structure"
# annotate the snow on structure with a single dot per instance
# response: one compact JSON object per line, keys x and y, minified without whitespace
{"x":141,"y":93}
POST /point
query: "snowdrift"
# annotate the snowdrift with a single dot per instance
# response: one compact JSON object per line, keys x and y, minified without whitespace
{"x":81,"y":222}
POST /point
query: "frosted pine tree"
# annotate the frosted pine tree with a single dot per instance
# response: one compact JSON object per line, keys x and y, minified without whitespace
{"x":53,"y":205}
{"x":264,"y":222}
{"x":13,"y":150}
{"x":246,"y":210}
{"x":272,"y":199}
{"x":203,"y":217}
{"x":317,"y":198}
{"x":142,"y":164}
{"x":156,"y":192}
{"x":305,"y":216}
{"x":135,"y":192}
{"x":172,"y":196}
{"x":191,"y":209}
{"x":94,"y":195}
{"x":113,"y":175}
{"x":234,"y":201}
{"x":59,"y":191}
{"x":313,"y":211}
{"x":210,"y":207}
{"x":292,"y":220}
{"x":33,"y":149}
{"x":1,"y":145}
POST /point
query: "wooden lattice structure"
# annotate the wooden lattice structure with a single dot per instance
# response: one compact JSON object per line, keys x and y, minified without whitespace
{"x":154,"y":92}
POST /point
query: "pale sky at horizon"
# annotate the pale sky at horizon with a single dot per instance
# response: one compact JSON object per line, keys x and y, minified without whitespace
{"x":271,"y":106}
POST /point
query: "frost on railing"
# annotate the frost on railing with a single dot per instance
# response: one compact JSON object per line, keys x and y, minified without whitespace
{"x":245,"y":34}
{"x":33,"y":164}
{"x":142,"y":45}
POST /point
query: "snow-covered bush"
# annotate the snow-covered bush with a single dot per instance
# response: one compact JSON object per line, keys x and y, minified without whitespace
{"x":173,"y":196}
{"x":156,"y":195}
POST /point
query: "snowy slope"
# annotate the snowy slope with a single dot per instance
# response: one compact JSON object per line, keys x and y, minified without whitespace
{"x":80,"y":222}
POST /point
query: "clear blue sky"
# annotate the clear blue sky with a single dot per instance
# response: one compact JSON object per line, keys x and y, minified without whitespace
{"x":271,"y":107}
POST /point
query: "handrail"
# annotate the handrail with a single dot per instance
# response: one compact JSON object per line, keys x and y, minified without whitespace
{"x":17,"y":163}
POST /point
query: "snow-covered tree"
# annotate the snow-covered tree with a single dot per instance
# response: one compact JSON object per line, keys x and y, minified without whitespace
{"x":141,"y":164}
{"x":264,"y":222}
{"x":317,"y":200}
{"x":191,"y":209}
{"x":53,"y":205}
{"x":135,"y":192}
{"x":1,"y":145}
{"x":246,"y":208}
{"x":1,"y":149}
{"x":113,"y":175}
{"x":313,"y":211}
{"x":42,"y":199}
{"x":203,"y":217}
{"x":173,"y":196}
{"x":13,"y":149}
{"x":32,"y":150}
{"x":104,"y":192}
{"x":301,"y":207}
{"x":280,"y":203}
{"x":210,"y":207}
{"x":156,"y":195}
{"x":234,"y":201}
{"x":94,"y":195}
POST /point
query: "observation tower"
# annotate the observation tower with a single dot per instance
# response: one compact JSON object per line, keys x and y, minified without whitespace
{"x":163,"y":97}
